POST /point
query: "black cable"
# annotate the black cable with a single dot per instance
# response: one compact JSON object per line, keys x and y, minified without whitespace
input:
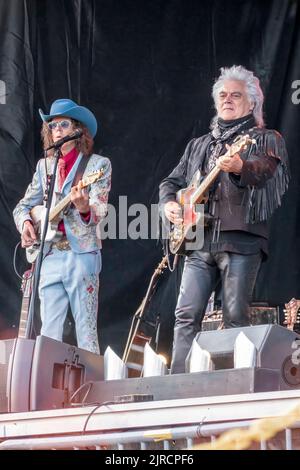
{"x":14,"y":260}
{"x":78,"y":390}
{"x":93,"y":411}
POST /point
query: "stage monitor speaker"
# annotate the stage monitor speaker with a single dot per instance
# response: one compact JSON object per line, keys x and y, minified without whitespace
{"x":15,"y":370}
{"x":58,"y":370}
{"x":43,"y":373}
{"x":277,"y":348}
{"x":6,"y":347}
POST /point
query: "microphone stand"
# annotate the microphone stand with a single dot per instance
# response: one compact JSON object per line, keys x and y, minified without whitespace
{"x":38,"y":265}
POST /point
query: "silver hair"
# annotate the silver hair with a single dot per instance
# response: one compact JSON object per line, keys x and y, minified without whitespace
{"x":252,"y":85}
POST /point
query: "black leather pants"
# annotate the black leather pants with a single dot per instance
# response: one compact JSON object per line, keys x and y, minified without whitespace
{"x":238,"y":273}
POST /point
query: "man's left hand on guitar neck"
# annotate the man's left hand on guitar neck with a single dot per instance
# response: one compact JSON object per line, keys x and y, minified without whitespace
{"x":80,"y":199}
{"x":233,"y":164}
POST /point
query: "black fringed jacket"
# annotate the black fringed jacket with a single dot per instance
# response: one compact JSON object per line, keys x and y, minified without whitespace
{"x":242,"y":202}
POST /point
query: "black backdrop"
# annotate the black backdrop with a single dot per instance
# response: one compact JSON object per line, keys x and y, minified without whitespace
{"x":146,"y":69}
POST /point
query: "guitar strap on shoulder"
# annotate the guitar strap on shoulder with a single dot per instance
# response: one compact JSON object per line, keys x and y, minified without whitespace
{"x":80,"y":169}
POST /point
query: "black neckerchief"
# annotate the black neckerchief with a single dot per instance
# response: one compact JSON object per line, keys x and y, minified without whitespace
{"x":222,"y":128}
{"x":222,"y":132}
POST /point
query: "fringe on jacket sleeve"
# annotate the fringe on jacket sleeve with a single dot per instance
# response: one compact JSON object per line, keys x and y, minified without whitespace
{"x":262,"y":202}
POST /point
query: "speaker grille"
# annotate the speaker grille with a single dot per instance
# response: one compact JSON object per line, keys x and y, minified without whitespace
{"x":291,"y":372}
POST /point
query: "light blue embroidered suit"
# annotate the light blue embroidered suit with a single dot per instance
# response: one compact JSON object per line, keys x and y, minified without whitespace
{"x":71,"y":276}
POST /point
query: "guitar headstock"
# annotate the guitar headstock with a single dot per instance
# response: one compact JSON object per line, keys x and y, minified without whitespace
{"x":240,"y":143}
{"x":292,"y":314}
{"x":92,"y":177}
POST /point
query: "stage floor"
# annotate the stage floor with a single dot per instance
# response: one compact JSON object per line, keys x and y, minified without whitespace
{"x":167,"y":424}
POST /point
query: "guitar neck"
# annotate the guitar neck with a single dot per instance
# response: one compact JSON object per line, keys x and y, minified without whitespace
{"x":205,"y":185}
{"x":59,"y":207}
{"x":23,"y":318}
{"x":26,"y":288}
{"x":88,"y":180}
{"x":207,"y":182}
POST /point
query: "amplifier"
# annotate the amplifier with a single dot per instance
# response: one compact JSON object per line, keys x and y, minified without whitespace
{"x":258,"y":316}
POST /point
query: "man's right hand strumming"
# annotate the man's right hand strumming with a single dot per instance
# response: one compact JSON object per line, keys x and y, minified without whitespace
{"x":173,"y":212}
{"x":28,"y":236}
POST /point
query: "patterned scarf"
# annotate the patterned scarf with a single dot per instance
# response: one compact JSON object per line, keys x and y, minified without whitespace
{"x":221,"y":132}
{"x":61,"y":173}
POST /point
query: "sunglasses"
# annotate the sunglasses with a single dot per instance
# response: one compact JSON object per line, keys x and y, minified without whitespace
{"x":63,"y":124}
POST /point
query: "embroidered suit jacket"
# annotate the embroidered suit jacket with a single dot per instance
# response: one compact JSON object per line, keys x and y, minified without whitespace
{"x":83,"y":236}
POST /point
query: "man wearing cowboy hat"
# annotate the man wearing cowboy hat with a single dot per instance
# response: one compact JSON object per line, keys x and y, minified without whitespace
{"x":71,"y":266}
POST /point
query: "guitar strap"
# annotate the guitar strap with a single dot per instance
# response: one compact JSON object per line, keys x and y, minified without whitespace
{"x":80,"y":169}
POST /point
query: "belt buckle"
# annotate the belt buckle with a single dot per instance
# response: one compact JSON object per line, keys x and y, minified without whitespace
{"x":62,"y":245}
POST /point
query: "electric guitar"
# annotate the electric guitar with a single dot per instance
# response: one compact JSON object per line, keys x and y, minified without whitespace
{"x":26,"y":288}
{"x":38,"y":214}
{"x":292,"y":315}
{"x":197,"y":193}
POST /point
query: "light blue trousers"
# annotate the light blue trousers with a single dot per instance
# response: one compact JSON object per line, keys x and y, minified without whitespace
{"x":68,"y":277}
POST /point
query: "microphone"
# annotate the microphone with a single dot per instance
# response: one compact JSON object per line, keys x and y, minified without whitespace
{"x":78,"y":133}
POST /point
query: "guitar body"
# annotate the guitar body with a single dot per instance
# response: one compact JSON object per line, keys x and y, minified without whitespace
{"x":38,"y":215}
{"x":32,"y":252}
{"x":183,"y":234}
{"x":197,"y":193}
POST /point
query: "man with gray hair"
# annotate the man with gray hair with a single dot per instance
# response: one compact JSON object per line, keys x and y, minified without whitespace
{"x":241,"y":200}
